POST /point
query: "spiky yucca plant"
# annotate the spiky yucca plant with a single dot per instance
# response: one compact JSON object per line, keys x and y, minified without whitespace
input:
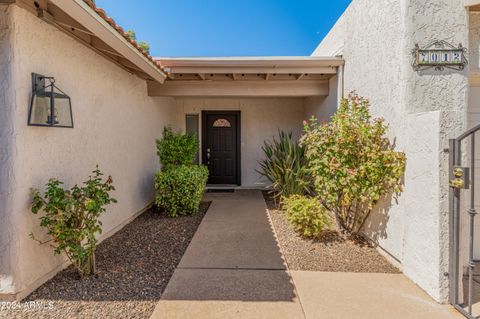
{"x":285,"y":166}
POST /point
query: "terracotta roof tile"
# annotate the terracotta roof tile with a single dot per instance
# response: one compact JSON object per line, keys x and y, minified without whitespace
{"x":122,"y":32}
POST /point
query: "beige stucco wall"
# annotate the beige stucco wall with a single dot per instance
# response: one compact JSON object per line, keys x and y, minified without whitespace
{"x":423,"y":110}
{"x":323,"y":107}
{"x":116,"y":124}
{"x":261,"y":118}
{"x":7,"y":150}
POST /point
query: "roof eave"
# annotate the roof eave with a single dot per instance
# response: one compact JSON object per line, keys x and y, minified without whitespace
{"x":90,"y":19}
{"x":265,"y":62}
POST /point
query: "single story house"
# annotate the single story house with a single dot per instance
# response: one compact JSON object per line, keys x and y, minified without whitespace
{"x":121,"y":99}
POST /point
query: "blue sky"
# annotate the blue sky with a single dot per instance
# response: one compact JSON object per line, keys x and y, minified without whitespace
{"x":227,"y":27}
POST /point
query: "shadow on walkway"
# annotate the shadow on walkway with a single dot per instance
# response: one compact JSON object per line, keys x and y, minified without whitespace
{"x":232,"y":266}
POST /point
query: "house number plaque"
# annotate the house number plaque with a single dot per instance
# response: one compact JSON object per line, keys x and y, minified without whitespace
{"x":439,"y":55}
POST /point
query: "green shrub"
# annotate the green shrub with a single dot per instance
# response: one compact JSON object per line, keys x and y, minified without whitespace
{"x":306,"y":214}
{"x":180,"y":189}
{"x":352,"y":162}
{"x":285,"y":166}
{"x":72,"y":217}
{"x":176,"y":148}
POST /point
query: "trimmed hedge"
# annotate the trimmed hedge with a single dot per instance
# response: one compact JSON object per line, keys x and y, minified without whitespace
{"x":176,"y":149}
{"x":180,"y":189}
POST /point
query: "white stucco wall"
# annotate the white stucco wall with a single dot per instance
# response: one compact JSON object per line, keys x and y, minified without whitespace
{"x":323,"y":107}
{"x":359,"y":27}
{"x":7,"y":151}
{"x":332,"y":44}
{"x":261,"y":119}
{"x":473,"y":119}
{"x":116,"y":124}
{"x":445,"y":92}
{"x":423,"y":110}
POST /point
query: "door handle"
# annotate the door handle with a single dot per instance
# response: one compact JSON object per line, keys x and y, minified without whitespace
{"x":208,"y":153}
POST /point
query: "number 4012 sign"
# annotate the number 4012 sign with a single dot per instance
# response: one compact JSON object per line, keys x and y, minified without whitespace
{"x":439,"y":55}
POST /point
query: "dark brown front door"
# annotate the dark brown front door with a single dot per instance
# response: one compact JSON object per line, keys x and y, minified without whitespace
{"x":220,"y":146}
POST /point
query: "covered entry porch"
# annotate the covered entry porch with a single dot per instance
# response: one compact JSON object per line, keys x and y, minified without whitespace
{"x":235,"y":104}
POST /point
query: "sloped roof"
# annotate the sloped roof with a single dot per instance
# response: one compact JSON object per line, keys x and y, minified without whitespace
{"x":121,"y":31}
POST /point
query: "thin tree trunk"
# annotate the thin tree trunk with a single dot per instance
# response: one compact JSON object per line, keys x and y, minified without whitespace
{"x":93,"y":267}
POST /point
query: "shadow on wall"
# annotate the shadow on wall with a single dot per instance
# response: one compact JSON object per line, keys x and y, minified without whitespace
{"x":146,"y":187}
{"x":375,"y":227}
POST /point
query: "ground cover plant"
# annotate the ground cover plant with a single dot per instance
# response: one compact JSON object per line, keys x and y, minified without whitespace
{"x":306,"y":215}
{"x":329,"y":251}
{"x":71,"y":217}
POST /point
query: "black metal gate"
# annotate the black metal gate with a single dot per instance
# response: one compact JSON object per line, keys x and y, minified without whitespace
{"x":463,"y":284}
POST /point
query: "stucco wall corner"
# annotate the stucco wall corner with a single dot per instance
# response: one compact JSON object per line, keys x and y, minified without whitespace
{"x":421,"y":230}
{"x":446,"y":93}
{"x":333,"y":43}
{"x":7,"y":152}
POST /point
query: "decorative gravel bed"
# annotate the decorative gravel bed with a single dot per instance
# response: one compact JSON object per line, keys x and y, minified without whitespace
{"x":329,"y":252}
{"x":134,"y":267}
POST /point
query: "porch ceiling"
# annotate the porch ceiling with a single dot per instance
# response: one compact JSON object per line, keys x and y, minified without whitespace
{"x":247,"y":76}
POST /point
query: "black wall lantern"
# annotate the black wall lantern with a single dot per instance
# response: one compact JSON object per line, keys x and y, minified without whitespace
{"x":49,"y":106}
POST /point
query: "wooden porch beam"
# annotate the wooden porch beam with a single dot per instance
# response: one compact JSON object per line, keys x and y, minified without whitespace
{"x":253,"y":70}
{"x":287,"y":88}
{"x":470,"y":3}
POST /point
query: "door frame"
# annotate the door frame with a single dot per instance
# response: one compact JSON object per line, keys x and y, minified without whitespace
{"x":238,"y":116}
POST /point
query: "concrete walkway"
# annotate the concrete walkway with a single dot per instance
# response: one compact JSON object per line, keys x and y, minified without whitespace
{"x":234,"y":268}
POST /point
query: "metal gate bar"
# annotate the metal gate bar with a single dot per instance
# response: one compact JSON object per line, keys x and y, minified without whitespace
{"x":454,"y":229}
{"x":455,"y":159}
{"x":471,"y":211}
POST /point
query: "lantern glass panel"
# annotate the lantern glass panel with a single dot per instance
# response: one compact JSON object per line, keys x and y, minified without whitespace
{"x":63,"y":111}
{"x":40,"y":111}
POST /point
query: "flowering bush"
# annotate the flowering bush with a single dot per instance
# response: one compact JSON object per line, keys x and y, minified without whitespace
{"x":352,"y":162}
{"x":72,"y":217}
